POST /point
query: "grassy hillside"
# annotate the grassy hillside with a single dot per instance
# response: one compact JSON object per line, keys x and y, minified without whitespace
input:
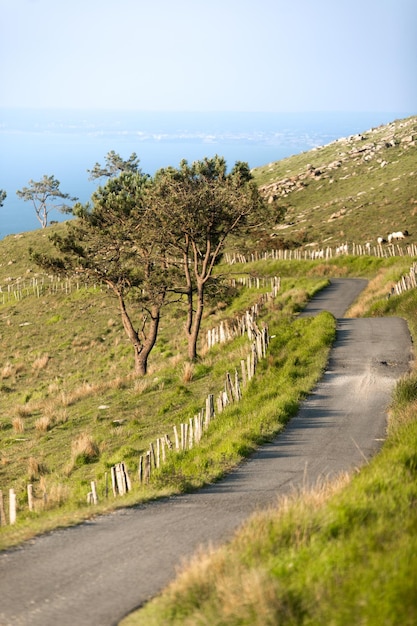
{"x":354,"y":189}
{"x":70,"y":407}
{"x":344,"y":553}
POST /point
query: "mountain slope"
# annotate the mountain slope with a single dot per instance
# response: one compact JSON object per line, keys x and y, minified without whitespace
{"x":354,"y":189}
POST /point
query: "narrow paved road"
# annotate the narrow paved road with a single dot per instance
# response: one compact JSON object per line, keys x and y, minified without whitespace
{"x":95,"y":573}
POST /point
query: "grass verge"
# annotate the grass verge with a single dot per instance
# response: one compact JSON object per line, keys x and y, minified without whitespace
{"x":342,"y":554}
{"x":345,"y":553}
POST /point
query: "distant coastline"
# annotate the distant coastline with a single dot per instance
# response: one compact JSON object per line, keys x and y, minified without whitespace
{"x":67,"y":143}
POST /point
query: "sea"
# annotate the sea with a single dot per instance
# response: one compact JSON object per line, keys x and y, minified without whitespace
{"x":68,"y":143}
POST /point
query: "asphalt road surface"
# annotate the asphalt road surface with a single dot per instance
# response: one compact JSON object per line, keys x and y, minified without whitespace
{"x":96,"y":573}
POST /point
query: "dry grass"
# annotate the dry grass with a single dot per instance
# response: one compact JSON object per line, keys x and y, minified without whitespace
{"x":141,"y":385}
{"x":49,"y":495}
{"x":235,"y":589}
{"x":7,"y":372}
{"x":84,"y":450}
{"x":43,"y":424}
{"x":377,"y":288}
{"x":35,"y":468}
{"x":18,"y":425}
{"x":188,"y":372}
{"x":23,"y":411}
{"x":40,"y":363}
{"x":83,"y":391}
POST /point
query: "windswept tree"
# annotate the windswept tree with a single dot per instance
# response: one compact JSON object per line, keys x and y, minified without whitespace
{"x":114,"y":166}
{"x":197,"y":207}
{"x":44,"y":195}
{"x":111,"y":242}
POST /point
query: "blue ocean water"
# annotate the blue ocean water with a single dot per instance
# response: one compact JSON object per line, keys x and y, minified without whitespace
{"x":68,"y":143}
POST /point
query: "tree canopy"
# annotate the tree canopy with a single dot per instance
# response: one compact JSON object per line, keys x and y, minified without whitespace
{"x":115,"y":165}
{"x":152,"y":240}
{"x":3,"y":196}
{"x":196,"y":208}
{"x":44,"y":194}
{"x":110,"y":242}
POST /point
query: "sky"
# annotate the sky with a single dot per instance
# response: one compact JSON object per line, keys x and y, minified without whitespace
{"x":209,"y":55}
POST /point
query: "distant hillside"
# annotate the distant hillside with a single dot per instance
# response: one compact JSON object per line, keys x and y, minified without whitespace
{"x":354,"y":189}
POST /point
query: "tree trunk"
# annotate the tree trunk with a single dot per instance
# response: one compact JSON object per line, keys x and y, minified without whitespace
{"x":141,"y":357}
{"x":141,"y":348}
{"x":194,"y":329}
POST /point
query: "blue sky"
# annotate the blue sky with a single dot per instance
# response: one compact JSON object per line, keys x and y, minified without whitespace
{"x":210,"y":55}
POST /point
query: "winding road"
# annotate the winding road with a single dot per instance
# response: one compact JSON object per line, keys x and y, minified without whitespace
{"x":96,"y":573}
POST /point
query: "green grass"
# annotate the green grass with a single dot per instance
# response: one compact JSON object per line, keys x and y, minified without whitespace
{"x":355,"y":202}
{"x":65,"y":357}
{"x":344,"y":553}
{"x":66,"y":377}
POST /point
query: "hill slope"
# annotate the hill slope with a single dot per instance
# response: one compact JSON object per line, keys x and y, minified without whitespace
{"x":69,"y":406}
{"x":355,"y":189}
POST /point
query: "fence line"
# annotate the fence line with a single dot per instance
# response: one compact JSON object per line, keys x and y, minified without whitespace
{"x":239,"y":326}
{"x":298,"y":254}
{"x":38,"y":286}
{"x":191,"y":432}
{"x":406,"y":282}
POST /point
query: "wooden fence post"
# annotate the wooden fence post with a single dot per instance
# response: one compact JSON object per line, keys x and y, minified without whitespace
{"x":148,"y":467}
{"x":12,"y":506}
{"x":158,"y":452}
{"x":94,"y":492}
{"x":30,"y":497}
{"x":114,"y":480}
{"x":126,"y":477}
{"x":3,"y":520}
{"x":177,"y":441}
{"x":152,"y":454}
{"x":140,"y":469}
{"x":163,"y":449}
{"x":121,"y":485}
{"x":191,"y":433}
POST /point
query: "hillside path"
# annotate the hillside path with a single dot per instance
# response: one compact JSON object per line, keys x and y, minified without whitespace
{"x":97,"y":572}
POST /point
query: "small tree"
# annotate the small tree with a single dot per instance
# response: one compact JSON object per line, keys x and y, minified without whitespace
{"x":3,"y":196}
{"x":196,"y":208}
{"x":114,"y":166}
{"x":44,"y":194}
{"x":112,"y":242}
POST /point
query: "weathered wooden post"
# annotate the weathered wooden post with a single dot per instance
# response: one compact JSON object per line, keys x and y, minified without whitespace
{"x":152,"y":454}
{"x":148,"y":467}
{"x":12,"y":506}
{"x":30,"y":497}
{"x":140,"y":469}
{"x":94,"y":492}
{"x":190,"y":433}
{"x":3,"y":520}
{"x":237,"y":387}
{"x":126,"y":477}
{"x":158,"y":453}
{"x":177,"y":441}
{"x":114,"y":480}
